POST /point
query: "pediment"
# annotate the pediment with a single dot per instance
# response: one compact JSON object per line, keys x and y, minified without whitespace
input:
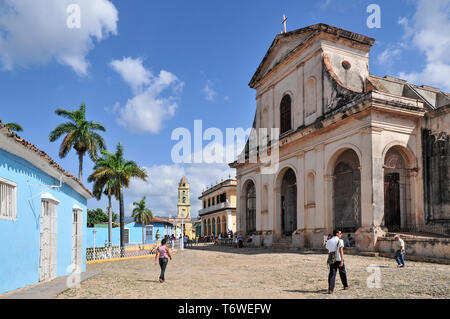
{"x":281,"y":48}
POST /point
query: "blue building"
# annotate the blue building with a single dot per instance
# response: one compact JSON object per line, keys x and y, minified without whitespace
{"x":155,"y":230}
{"x":43,"y":214}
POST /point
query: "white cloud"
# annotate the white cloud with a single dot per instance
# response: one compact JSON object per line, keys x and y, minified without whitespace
{"x":162,"y":184}
{"x":209,"y":92}
{"x":427,"y":32}
{"x":133,"y":72}
{"x":388,"y":56}
{"x":36,"y":32}
{"x":148,"y":108}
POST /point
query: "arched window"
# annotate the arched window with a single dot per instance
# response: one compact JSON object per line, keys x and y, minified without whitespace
{"x":285,"y":114}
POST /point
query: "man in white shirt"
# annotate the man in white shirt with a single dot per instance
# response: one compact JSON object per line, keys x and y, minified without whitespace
{"x":399,"y":251}
{"x":336,"y":244}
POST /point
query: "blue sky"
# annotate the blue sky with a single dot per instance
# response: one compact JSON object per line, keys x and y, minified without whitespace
{"x":203,"y":53}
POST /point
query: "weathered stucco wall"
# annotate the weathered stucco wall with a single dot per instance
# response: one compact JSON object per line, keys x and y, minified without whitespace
{"x":421,"y":247}
{"x":436,"y":161}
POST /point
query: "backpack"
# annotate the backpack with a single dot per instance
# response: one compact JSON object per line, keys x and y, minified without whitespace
{"x":332,"y":256}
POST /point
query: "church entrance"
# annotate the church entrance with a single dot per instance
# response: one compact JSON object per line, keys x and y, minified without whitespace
{"x":288,"y":203}
{"x":347,"y":192}
{"x":392,"y":201}
{"x":397,"y":194}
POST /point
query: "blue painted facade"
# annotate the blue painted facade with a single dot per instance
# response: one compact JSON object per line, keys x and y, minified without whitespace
{"x":20,"y":239}
{"x":101,"y":235}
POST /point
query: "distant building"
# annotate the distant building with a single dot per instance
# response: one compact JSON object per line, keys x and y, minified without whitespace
{"x":183,"y":221}
{"x":218,"y":215}
{"x":43,"y":214}
{"x":155,"y":230}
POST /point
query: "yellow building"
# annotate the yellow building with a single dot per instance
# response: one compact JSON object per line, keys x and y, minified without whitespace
{"x":183,"y":221}
{"x":218,"y":215}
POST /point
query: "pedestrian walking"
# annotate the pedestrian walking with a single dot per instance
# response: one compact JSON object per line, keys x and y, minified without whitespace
{"x":399,"y":251}
{"x":335,"y":247}
{"x":162,"y":254}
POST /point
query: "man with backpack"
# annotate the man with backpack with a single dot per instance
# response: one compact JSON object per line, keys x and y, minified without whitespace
{"x":335,"y":247}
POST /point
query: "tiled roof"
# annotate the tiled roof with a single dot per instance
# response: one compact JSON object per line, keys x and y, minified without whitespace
{"x":31,"y":147}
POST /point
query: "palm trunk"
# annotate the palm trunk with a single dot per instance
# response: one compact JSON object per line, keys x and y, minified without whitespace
{"x":109,"y":219}
{"x":80,"y":167}
{"x":122,"y":226}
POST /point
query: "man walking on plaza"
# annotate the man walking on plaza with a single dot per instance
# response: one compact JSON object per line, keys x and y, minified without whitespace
{"x":336,"y":245}
{"x":399,"y":251}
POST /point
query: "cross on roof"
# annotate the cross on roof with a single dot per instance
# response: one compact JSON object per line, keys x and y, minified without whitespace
{"x":284,"y":22}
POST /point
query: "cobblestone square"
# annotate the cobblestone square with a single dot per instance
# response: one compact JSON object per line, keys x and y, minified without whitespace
{"x":228,"y":273}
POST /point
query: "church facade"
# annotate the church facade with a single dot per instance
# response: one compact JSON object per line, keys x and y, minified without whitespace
{"x":359,"y":152}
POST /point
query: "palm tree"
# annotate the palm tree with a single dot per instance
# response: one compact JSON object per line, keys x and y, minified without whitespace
{"x":79,"y":134}
{"x":105,"y":186}
{"x":14,"y":127}
{"x":119,"y":171}
{"x":142,"y":215}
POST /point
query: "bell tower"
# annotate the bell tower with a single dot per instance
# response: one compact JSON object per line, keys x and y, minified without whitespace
{"x":184,"y":203}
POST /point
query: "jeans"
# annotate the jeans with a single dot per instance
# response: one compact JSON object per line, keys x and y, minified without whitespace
{"x":400,"y":257}
{"x":163,"y":264}
{"x":332,"y":275}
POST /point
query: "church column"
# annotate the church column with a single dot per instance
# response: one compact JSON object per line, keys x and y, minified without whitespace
{"x":372,"y":189}
{"x":301,"y":191}
{"x":319,"y":220}
{"x":372,"y":183}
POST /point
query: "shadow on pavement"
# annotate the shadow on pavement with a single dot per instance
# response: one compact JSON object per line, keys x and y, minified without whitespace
{"x":320,"y":291}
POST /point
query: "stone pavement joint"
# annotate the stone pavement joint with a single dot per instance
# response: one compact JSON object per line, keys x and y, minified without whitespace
{"x":45,"y":290}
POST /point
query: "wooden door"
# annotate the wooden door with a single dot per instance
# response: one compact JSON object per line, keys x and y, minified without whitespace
{"x":392,"y":201}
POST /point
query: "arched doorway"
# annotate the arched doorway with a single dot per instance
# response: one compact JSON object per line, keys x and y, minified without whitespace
{"x":214,"y":227}
{"x":209,"y":227}
{"x":250,"y":208}
{"x":397,"y":194}
{"x":288,"y":203}
{"x":347,"y":192}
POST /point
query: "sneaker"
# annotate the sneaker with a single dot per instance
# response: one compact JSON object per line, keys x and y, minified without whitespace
{"x":347,"y":288}
{"x":330,"y":292}
{"x":401,"y":266}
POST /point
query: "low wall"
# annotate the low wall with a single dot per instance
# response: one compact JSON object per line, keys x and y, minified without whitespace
{"x":420,"y":247}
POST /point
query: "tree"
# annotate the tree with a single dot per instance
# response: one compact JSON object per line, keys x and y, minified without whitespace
{"x":119,"y":171}
{"x":14,"y":127}
{"x":97,"y":216}
{"x":79,"y":134}
{"x":142,"y":215}
{"x":105,"y":184}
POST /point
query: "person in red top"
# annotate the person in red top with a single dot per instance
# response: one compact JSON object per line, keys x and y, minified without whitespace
{"x":162,"y":253}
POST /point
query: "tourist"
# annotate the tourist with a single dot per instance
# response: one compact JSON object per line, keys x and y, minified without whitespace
{"x":185,"y":240}
{"x":399,"y":251}
{"x":335,"y":247}
{"x":350,"y":241}
{"x":240,"y":240}
{"x":162,"y":253}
